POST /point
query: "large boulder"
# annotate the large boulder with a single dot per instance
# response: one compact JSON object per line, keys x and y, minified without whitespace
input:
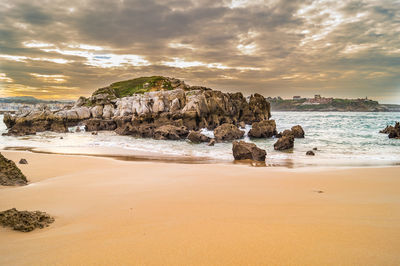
{"x":25,"y":221}
{"x":298,"y":132}
{"x":244,"y":150}
{"x":170,"y":132}
{"x":10,"y":175}
{"x":197,"y":137}
{"x":263,"y":129}
{"x":284,"y":143}
{"x":227,"y":132}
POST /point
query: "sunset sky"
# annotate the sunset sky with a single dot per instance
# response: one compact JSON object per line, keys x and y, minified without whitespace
{"x":64,"y":49}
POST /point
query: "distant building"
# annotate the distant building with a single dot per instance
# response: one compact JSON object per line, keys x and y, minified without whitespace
{"x":296,"y":97}
{"x":318,"y":99}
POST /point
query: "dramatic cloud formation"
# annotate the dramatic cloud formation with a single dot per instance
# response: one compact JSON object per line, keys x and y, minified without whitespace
{"x":63,"y":49}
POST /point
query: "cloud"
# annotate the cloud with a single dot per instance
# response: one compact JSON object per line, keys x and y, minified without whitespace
{"x":280,"y":47}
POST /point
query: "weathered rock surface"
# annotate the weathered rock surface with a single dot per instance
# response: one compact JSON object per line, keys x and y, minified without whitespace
{"x":284,"y":143}
{"x":140,"y":114}
{"x":99,"y":125}
{"x":25,"y":221}
{"x":10,"y":175}
{"x":227,"y":132}
{"x":244,"y":150}
{"x":392,"y":131}
{"x":295,"y":131}
{"x":23,"y":161}
{"x":171,"y":132}
{"x":263,"y":129}
{"x":197,"y":137}
{"x":298,"y":131}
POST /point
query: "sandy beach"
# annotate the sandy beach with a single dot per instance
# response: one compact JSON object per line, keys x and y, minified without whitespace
{"x":113,"y":212}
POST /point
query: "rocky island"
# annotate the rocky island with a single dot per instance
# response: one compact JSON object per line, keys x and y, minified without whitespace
{"x":155,"y":107}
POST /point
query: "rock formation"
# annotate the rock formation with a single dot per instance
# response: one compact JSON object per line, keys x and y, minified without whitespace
{"x":244,"y":150}
{"x":295,"y":131}
{"x":140,"y":106}
{"x":298,"y":131}
{"x":284,"y":143}
{"x":10,"y":175}
{"x":25,"y":221}
{"x":263,"y":129}
{"x":392,"y":131}
{"x":227,"y":132}
{"x":197,"y":137}
{"x":23,"y":161}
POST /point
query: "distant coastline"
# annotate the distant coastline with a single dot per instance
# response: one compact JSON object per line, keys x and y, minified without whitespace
{"x":322,"y":104}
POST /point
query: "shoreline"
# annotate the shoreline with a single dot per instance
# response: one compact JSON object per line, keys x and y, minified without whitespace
{"x":135,"y":156}
{"x":150,"y":213}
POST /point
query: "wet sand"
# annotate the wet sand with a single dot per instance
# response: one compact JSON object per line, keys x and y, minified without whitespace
{"x":113,"y":212}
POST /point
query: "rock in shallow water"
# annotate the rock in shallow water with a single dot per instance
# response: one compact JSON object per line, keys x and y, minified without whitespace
{"x":227,"y":132}
{"x":10,"y":175}
{"x":284,"y":143}
{"x":25,"y":221}
{"x":263,"y":129}
{"x":247,"y":151}
{"x":197,"y":137}
{"x":310,"y":153}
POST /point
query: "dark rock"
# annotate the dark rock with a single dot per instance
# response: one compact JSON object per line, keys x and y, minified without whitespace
{"x":263,"y":129}
{"x":315,"y":148}
{"x":170,"y":132}
{"x":227,"y":132}
{"x":95,"y":133}
{"x":211,"y":143}
{"x":99,"y":125}
{"x":61,"y":138}
{"x":25,"y":221}
{"x":23,"y":161}
{"x":197,"y":137}
{"x":244,"y":150}
{"x":298,"y":131}
{"x":310,"y":153}
{"x":392,"y":131}
{"x":284,"y":143}
{"x":10,"y":175}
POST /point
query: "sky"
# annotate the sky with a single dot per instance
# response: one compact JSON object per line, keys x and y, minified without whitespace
{"x":64,"y":49}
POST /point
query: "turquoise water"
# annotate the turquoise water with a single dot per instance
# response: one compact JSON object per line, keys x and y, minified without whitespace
{"x":342,"y":139}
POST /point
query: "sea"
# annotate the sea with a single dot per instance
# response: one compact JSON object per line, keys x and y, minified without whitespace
{"x":342,"y":139}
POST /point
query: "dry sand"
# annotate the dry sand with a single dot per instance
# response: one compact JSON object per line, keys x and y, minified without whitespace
{"x":111,"y":212}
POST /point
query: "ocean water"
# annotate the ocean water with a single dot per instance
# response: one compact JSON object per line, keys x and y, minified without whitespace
{"x":342,"y":138}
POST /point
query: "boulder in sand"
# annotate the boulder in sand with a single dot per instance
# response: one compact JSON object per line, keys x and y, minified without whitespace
{"x":23,"y":161}
{"x":310,"y":153}
{"x":10,"y":175}
{"x":25,"y":221}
